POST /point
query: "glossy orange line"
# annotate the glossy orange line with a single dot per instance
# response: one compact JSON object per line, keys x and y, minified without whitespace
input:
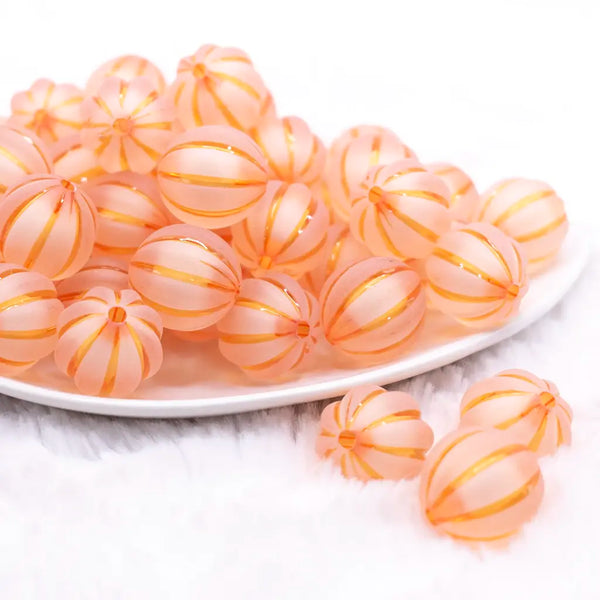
{"x":542,"y":230}
{"x":178,"y":275}
{"x":15,"y":160}
{"x":76,"y":321}
{"x":349,"y":420}
{"x":366,"y":467}
{"x":120,"y":217}
{"x":449,"y":295}
{"x":141,"y":351}
{"x":27,"y":334}
{"x":237,"y":82}
{"x":491,"y":197}
{"x":420,"y":194}
{"x":149,"y":99}
{"x":290,"y":140}
{"x":110,"y":375}
{"x":229,"y":117}
{"x":416,"y":453}
{"x":499,"y":256}
{"x":211,"y":213}
{"x":272,"y":361}
{"x":182,"y":312}
{"x":521,"y":204}
{"x":82,"y":351}
{"x":249,"y":303}
{"x":491,"y":396}
{"x":375,"y":151}
{"x":220,"y":147}
{"x":300,"y":227}
{"x":412,"y":224}
{"x":151,"y":152}
{"x":378,"y":216}
{"x":406,"y":415}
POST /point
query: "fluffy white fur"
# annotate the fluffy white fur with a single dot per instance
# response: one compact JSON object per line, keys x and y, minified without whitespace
{"x":240,"y":507}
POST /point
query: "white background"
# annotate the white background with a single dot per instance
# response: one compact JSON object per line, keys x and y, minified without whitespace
{"x":94,"y":508}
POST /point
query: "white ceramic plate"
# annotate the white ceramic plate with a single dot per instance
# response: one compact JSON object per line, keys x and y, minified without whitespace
{"x":194,"y":381}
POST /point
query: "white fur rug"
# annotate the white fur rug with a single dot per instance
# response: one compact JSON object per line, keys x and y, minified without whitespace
{"x":239,"y":507}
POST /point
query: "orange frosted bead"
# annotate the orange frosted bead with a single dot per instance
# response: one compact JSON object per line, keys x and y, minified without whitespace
{"x":29,"y":311}
{"x":285,"y":232}
{"x":480,"y":485}
{"x":351,"y":156}
{"x":272,"y":326}
{"x":464,"y":198}
{"x":73,"y":161}
{"x":530,"y":212}
{"x":375,"y":434}
{"x":400,"y":210}
{"x":126,"y":67}
{"x":527,"y":407}
{"x":293,"y":152}
{"x":218,"y":86}
{"x":188,"y":274}
{"x":129,"y":210}
{"x":476,"y":274}
{"x":127,"y":124}
{"x":51,"y":111}
{"x":341,"y":250}
{"x":47,"y":224}
{"x":371,"y":309}
{"x":104,"y":271}
{"x":109,"y":342}
{"x":212,"y":176}
{"x":21,"y":153}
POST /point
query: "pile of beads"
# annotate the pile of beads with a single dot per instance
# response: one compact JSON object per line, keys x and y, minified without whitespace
{"x":481,"y":482}
{"x":195,"y":202}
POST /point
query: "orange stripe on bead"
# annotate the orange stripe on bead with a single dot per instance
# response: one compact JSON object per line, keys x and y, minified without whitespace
{"x":250,"y":338}
{"x":536,"y":440}
{"x":15,"y":160}
{"x":416,"y":453}
{"x":141,"y":351}
{"x":76,"y":321}
{"x":490,"y":396}
{"x":494,"y":507}
{"x":432,"y":196}
{"x":455,"y":296}
{"x":542,"y":230}
{"x":178,"y":275}
{"x":412,"y":224}
{"x":125,"y":219}
{"x":492,"y":195}
{"x":383,"y":319}
{"x":365,"y":466}
{"x":272,"y":361}
{"x":110,"y":376}
{"x":213,"y":213}
{"x":210,"y":181}
{"x":521,"y":204}
{"x":151,"y":152}
{"x":149,"y":99}
{"x":302,"y":224}
{"x":253,"y":304}
{"x":406,"y":415}
{"x":490,"y":245}
{"x":229,"y":117}
{"x":145,"y":322}
{"x":76,"y":242}
{"x":219,"y":146}
{"x":27,"y":334}
{"x":366,"y":400}
{"x":82,"y":351}
{"x":389,"y":244}
{"x":182,"y":312}
{"x":477,"y":467}
{"x":290,"y":140}
{"x":237,"y":82}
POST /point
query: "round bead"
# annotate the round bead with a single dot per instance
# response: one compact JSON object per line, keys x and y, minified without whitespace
{"x":527,"y":407}
{"x":479,"y":485}
{"x":129,"y":210}
{"x":188,"y":274}
{"x":104,"y":271}
{"x":341,"y":250}
{"x":375,"y":434}
{"x":530,"y":212}
{"x":109,"y":342}
{"x":47,"y":224}
{"x":372,"y":308}
{"x":464,"y":198}
{"x":476,"y":275}
{"x":271,"y":327}
{"x":285,"y":232}
{"x":29,"y":312}
{"x":127,"y":124}
{"x":126,"y":67}
{"x":218,"y":86}
{"x":294,"y":153}
{"x":401,"y":210}
{"x":51,"y":111}
{"x":211,"y":176}
{"x":352,"y":155}
{"x":73,"y":161}
{"x":21,"y":153}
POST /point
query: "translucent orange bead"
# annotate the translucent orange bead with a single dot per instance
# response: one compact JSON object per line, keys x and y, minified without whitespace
{"x":50,"y":110}
{"x":525,"y":406}
{"x":109,"y":342}
{"x":188,"y":274}
{"x":47,"y":224}
{"x":476,"y":275}
{"x":212,"y":176}
{"x":29,"y":311}
{"x":272,"y":326}
{"x":126,"y":67}
{"x":371,"y":309}
{"x":375,"y":434}
{"x":73,"y":161}
{"x":464,"y":198}
{"x":127,"y":124}
{"x":218,"y":86}
{"x":341,"y":250}
{"x":400,"y":210}
{"x":294,"y":153}
{"x":104,"y":271}
{"x":351,"y":156}
{"x":530,"y":212}
{"x":286,"y":231}
{"x":480,"y":485}
{"x":129,"y":210}
{"x":21,"y":153}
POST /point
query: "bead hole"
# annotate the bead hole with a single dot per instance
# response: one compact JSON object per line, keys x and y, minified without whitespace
{"x":117,"y":314}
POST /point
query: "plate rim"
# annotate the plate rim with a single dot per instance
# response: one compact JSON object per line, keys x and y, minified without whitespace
{"x":385,"y":374}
